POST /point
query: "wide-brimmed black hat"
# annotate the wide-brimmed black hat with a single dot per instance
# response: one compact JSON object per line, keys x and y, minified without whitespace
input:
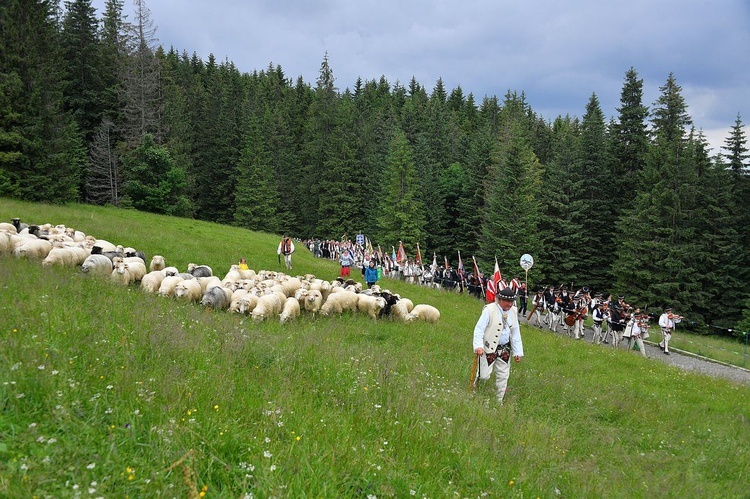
{"x":506,"y":294}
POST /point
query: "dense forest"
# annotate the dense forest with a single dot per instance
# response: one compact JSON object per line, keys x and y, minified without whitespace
{"x":95,"y":111}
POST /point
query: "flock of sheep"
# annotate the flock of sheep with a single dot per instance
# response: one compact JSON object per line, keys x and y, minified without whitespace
{"x":263,"y":295}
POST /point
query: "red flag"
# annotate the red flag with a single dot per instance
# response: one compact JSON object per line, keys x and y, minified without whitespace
{"x":446,"y":262}
{"x":493,"y":283}
{"x":401,"y":256}
{"x":460,"y":264}
{"x":419,"y":256}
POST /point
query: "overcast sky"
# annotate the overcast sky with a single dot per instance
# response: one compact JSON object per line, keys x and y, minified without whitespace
{"x":558,"y":52}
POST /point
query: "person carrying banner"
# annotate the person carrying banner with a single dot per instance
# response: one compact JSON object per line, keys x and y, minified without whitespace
{"x":497,"y":335}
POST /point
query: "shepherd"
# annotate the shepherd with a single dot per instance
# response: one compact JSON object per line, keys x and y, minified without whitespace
{"x":497,"y":336}
{"x":286,"y":248}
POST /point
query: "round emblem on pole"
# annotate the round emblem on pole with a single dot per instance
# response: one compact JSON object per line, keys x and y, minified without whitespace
{"x":527,"y":261}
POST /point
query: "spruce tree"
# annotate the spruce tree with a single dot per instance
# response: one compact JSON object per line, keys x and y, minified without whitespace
{"x":401,"y":216}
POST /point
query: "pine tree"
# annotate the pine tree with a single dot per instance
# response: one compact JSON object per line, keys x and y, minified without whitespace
{"x":104,"y":178}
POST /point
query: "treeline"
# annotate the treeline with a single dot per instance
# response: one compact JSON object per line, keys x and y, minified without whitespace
{"x":94,"y":110}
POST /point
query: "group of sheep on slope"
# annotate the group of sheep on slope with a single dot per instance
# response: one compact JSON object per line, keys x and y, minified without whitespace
{"x":263,"y":294}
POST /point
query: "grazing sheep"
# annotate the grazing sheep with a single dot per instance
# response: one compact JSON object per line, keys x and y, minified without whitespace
{"x":65,"y":256}
{"x":75,"y":235}
{"x":313,"y":301}
{"x":401,"y":309}
{"x":290,"y":285}
{"x":9,"y":228}
{"x":132,"y":253}
{"x":269,"y":305}
{"x":199,"y":270}
{"x":6,"y":242}
{"x":171,"y":271}
{"x":427,"y":313}
{"x":104,"y":245}
{"x":209,"y":282}
{"x":33,"y":249}
{"x":237,"y":295}
{"x":120,"y":274}
{"x":231,"y":277}
{"x":97,"y":265}
{"x":338,"y":303}
{"x":167,"y":285}
{"x":290,"y":310}
{"x":157,"y":263}
{"x":18,"y":224}
{"x":217,"y":298}
{"x":247,"y":303}
{"x":111,"y":254}
{"x":136,"y":267}
{"x":370,"y":305}
{"x":151,"y":281}
{"x":188,"y":290}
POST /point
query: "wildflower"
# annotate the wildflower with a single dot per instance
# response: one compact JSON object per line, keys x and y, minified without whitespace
{"x":91,"y":466}
{"x":511,"y":483}
{"x":267,"y":454}
{"x":15,"y":330}
{"x":55,"y":372}
{"x":41,"y":368}
{"x":216,"y":408}
{"x":273,"y":467}
{"x":298,"y":438}
{"x":20,"y":395}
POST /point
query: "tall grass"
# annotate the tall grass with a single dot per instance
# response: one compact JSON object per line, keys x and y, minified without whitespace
{"x":111,"y":392}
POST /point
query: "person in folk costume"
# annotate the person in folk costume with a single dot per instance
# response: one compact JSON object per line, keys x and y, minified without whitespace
{"x":286,"y":248}
{"x":568,"y":307}
{"x":497,"y":335}
{"x":523,"y":298}
{"x":667,"y":322}
{"x":581,"y":312}
{"x":554,"y":311}
{"x":549,"y":299}
{"x":599,"y":314}
{"x":616,"y":323}
{"x":539,"y":302}
{"x":633,"y":332}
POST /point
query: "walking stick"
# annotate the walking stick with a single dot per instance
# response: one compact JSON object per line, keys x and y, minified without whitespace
{"x":473,"y":380}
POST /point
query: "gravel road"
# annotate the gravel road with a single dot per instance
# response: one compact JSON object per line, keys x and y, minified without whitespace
{"x":687,"y":361}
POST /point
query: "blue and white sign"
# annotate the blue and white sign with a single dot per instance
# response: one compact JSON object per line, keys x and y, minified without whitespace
{"x":360,"y":239}
{"x":527,"y":261}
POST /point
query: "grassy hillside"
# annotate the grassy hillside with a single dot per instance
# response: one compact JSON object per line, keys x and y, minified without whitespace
{"x":111,"y":392}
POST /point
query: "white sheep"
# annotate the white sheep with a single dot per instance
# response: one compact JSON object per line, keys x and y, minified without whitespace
{"x":9,"y":228}
{"x":340,"y":302}
{"x":120,"y":274}
{"x":237,"y":295}
{"x":157,"y":263}
{"x":313,"y":301}
{"x":209,"y":282}
{"x":166,"y":288}
{"x":97,"y":265}
{"x":171,"y":271}
{"x":6,"y":242}
{"x":370,"y":305}
{"x":136,"y":267}
{"x":268,"y":306}
{"x":33,"y":249}
{"x":401,"y":309}
{"x":424,"y":312}
{"x":247,"y":303}
{"x":290,"y":285}
{"x":290,"y":310}
{"x":151,"y":281}
{"x":188,"y":290}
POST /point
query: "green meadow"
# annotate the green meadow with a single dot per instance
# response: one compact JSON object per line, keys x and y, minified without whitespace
{"x":108,"y":391}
